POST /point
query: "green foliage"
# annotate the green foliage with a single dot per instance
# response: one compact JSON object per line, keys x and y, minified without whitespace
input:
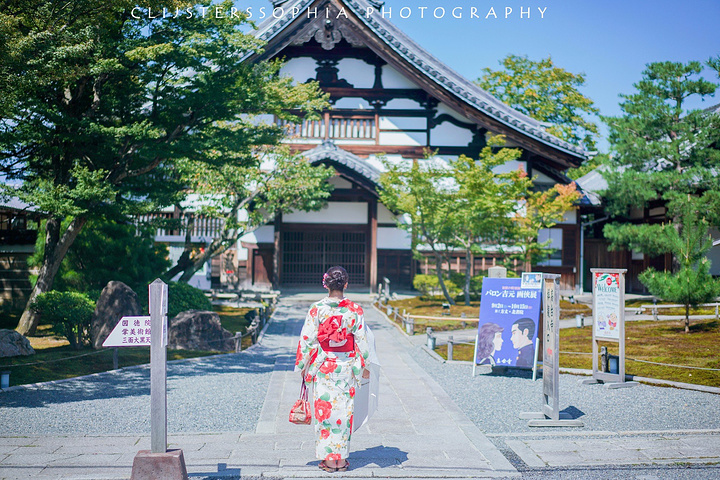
{"x":291,"y":184}
{"x":662,"y":153}
{"x":429,"y":285}
{"x":181,"y":297}
{"x":105,"y":251}
{"x":69,"y":313}
{"x":692,"y":284}
{"x":546,"y":93}
{"x":99,"y":108}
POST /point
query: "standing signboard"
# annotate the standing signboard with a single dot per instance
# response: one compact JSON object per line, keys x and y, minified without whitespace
{"x":152,"y":331}
{"x":550,"y":415}
{"x":507,"y":329}
{"x":609,"y":322}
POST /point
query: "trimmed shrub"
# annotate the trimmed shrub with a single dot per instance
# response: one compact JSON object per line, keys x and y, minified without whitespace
{"x":429,"y":285}
{"x":181,"y":297}
{"x":69,"y":313}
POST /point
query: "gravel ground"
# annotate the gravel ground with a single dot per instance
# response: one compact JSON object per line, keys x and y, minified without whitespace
{"x":493,"y":402}
{"x":229,"y":389}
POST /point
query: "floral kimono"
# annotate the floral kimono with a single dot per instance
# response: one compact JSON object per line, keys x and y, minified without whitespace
{"x":332,"y":351}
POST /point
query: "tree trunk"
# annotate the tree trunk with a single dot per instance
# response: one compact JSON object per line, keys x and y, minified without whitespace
{"x":55,"y":249}
{"x":441,"y":282}
{"x":468,"y":273}
{"x":687,"y":318}
{"x":196,"y":263}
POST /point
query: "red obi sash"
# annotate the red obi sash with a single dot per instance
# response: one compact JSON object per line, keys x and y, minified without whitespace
{"x":332,"y":338}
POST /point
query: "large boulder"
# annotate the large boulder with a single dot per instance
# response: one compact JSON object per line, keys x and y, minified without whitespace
{"x":13,"y":344}
{"x":117,"y":300}
{"x":199,"y":330}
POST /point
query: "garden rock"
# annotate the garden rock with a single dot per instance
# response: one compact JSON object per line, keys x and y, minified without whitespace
{"x":13,"y":344}
{"x":117,"y":300}
{"x":199,"y":330}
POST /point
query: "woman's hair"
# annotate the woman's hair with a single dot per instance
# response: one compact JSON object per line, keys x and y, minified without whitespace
{"x":485,"y":339}
{"x":335,"y":279}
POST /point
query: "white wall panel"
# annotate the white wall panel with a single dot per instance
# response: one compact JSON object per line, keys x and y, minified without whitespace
{"x":353,"y":102}
{"x":403,"y":138}
{"x":404,"y":103}
{"x":300,"y":68}
{"x":335,"y":213}
{"x":401,"y":123}
{"x":442,"y":108}
{"x":385,"y":215}
{"x":391,"y":78}
{"x":356,"y":72}
{"x":447,"y":134}
{"x":393,"y":238}
{"x":264,"y":234}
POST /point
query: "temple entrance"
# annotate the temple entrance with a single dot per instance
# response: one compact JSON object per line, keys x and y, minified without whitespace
{"x":306,"y":255}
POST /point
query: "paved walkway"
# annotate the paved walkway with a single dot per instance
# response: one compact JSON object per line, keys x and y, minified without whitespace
{"x":418,"y":432}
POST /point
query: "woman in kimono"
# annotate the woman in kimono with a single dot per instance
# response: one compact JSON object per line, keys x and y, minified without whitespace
{"x":331,"y":354}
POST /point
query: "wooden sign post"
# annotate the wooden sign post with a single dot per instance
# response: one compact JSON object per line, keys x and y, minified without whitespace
{"x":551,"y":416}
{"x":158,"y":462}
{"x":609,"y":323}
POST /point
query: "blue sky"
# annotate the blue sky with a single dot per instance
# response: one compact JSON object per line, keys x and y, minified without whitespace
{"x":610,"y":41}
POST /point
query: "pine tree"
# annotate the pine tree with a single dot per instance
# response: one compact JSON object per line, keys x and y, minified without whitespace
{"x":692,"y":284}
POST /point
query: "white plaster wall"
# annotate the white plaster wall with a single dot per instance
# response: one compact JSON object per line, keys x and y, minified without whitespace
{"x":404,"y":103}
{"x":391,"y":78}
{"x":570,"y":217}
{"x":442,"y":108}
{"x":264,"y":234}
{"x":402,"y":123}
{"x":299,"y":68}
{"x":335,"y":213}
{"x":447,"y":134}
{"x":393,"y":238}
{"x":358,"y":73}
{"x":385,"y":215}
{"x":402,"y":138}
{"x":353,"y":102}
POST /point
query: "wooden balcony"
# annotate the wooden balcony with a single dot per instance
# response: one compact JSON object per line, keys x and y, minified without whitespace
{"x":334,"y":127}
{"x":172,"y":224}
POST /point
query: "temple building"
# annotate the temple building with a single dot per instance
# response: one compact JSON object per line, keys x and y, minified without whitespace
{"x":389,"y":98}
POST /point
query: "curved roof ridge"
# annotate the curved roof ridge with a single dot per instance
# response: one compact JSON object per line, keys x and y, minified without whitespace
{"x":328,"y":150}
{"x":434,"y":68}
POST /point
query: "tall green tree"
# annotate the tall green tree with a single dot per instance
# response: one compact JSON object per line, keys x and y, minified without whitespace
{"x":107,"y":250}
{"x":540,"y":209}
{"x":98,"y":106}
{"x":486,"y":201}
{"x":664,"y":155}
{"x":425,"y":191}
{"x":245,"y":198}
{"x":547,"y":93}
{"x":692,"y":284}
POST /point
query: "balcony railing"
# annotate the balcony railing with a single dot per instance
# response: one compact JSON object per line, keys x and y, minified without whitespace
{"x":171,"y":224}
{"x":356,"y":127}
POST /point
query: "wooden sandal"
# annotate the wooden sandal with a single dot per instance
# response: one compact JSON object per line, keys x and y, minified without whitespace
{"x":324,"y":466}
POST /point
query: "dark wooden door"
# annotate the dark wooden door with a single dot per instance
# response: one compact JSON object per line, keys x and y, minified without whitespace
{"x":306,"y":255}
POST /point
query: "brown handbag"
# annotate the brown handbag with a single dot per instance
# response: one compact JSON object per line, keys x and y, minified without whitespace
{"x":300,"y":412}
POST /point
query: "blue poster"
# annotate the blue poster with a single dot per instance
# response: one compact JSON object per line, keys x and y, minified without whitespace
{"x":508,"y":323}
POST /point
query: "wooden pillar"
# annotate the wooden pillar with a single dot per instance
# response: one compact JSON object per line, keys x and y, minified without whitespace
{"x":372,"y":243}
